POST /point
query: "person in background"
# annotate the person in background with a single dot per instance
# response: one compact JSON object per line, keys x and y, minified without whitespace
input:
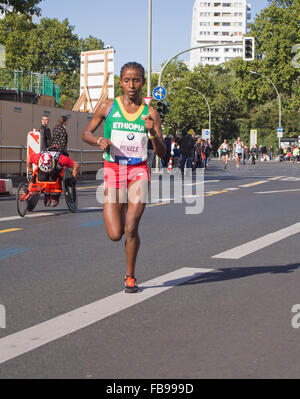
{"x":45,"y":133}
{"x":60,"y":135}
{"x":271,"y":152}
{"x":186,"y":145}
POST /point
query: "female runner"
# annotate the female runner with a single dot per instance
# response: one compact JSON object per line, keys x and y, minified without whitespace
{"x":128,"y":124}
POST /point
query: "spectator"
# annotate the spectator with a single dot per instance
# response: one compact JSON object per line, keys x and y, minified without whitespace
{"x":271,"y":152}
{"x":150,"y":155}
{"x":260,"y":152}
{"x":253,"y":155}
{"x":45,"y":133}
{"x":60,"y":135}
{"x":176,"y":156}
{"x":165,"y":161}
{"x":186,"y":146}
{"x":296,"y":154}
{"x":199,"y":154}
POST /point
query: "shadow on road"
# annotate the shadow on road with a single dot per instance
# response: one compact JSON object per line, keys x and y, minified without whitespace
{"x":229,"y":274}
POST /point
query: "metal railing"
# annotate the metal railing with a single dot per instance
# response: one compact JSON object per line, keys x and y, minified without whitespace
{"x":23,"y":155}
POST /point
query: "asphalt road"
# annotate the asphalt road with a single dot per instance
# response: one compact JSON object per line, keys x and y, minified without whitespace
{"x":233,"y":319}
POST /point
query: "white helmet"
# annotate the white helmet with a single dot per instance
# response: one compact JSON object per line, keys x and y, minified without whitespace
{"x":46,"y":162}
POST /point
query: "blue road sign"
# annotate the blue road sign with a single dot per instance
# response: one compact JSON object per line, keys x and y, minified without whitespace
{"x":279,"y":129}
{"x":159,"y":93}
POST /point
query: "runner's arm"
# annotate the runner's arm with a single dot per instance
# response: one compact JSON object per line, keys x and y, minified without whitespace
{"x":99,"y":116}
{"x":153,"y":126}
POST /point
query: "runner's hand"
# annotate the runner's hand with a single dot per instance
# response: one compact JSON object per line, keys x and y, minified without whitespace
{"x":149,"y":124}
{"x":104,"y":144}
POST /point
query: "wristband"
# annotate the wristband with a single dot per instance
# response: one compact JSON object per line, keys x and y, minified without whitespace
{"x":99,"y":140}
{"x":151,"y":137}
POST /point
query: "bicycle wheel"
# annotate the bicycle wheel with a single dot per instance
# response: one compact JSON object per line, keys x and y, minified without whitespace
{"x":32,"y":202}
{"x":22,"y":199}
{"x":69,"y":192}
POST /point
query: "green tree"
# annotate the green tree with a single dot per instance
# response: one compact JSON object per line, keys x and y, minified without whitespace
{"x":50,"y":47}
{"x":91,"y":43}
{"x":21,"y":6}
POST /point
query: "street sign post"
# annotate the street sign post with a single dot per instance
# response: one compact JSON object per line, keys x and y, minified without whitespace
{"x":253,"y":138}
{"x":206,"y":134}
{"x":147,"y":100}
{"x":279,"y":135}
{"x":159,"y":93}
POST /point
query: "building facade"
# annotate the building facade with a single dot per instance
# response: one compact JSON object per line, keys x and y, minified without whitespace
{"x":218,"y":22}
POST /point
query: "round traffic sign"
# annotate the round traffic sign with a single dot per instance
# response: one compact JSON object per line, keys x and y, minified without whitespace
{"x":159,"y":93}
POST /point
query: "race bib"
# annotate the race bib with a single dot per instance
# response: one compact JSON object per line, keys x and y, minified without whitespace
{"x":128,"y":147}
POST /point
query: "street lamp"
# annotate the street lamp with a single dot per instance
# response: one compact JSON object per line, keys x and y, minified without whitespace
{"x":278,"y":95}
{"x":149,"y":49}
{"x":209,"y":110}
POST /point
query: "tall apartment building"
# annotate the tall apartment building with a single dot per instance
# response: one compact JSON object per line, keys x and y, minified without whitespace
{"x":218,"y":22}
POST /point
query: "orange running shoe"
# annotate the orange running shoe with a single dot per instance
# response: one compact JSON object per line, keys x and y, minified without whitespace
{"x":130,"y":285}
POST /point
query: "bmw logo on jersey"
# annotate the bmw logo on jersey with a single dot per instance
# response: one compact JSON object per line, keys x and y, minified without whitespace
{"x":130,"y":136}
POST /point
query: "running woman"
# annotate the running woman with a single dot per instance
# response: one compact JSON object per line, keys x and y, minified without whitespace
{"x":238,"y":147}
{"x":225,"y":151}
{"x":128,"y":123}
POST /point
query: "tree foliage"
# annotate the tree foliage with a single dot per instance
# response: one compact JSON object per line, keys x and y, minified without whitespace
{"x":49,"y":47}
{"x":22,"y":6}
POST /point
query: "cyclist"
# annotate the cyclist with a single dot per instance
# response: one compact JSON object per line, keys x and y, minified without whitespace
{"x":225,"y":151}
{"x":126,"y":123}
{"x":50,"y":163}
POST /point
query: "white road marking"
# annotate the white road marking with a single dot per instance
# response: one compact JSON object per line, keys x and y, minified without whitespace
{"x":27,"y":340}
{"x":231,"y":189}
{"x":33,"y":215}
{"x":260,"y":243}
{"x":201,"y":182}
{"x":276,"y":178}
{"x":278,"y":191}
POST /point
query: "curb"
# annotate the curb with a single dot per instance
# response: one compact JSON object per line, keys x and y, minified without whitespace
{"x":6,"y":186}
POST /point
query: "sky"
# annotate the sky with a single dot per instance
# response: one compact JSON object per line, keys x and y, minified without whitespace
{"x":124,"y":25}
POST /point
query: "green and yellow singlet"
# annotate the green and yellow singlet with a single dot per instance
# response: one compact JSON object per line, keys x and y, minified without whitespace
{"x":127,"y":133}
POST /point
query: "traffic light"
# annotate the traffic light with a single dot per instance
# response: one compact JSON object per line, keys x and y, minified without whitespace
{"x":160,"y":106}
{"x":166,"y":106}
{"x":248,"y":49}
{"x":160,"y":109}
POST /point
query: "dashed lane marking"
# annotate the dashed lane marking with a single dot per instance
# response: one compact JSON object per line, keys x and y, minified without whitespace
{"x":209,"y":194}
{"x":253,"y":184}
{"x":9,"y":231}
{"x":278,"y":191}
{"x":34,"y":337}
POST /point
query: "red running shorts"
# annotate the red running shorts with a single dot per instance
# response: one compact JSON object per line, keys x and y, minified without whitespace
{"x":119,"y":176}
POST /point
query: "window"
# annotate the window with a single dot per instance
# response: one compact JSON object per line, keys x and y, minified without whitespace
{"x":226,"y":24}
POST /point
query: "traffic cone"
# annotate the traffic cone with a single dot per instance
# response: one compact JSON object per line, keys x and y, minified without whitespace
{"x":170,"y":165}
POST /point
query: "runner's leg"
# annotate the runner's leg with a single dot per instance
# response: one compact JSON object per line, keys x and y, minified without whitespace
{"x":113,"y":214}
{"x":133,"y":216}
